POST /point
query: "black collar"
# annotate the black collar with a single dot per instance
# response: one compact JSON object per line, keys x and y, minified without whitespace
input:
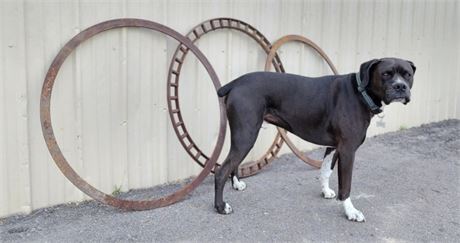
{"x":367,"y":99}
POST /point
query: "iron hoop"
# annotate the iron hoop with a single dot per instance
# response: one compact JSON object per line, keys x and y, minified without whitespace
{"x":54,"y":149}
{"x":246,"y":169}
{"x":271,"y":55}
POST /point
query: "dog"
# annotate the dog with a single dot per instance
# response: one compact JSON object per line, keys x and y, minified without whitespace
{"x":333,"y":111}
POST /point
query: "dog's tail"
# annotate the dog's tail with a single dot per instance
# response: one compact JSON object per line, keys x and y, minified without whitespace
{"x":223,"y":91}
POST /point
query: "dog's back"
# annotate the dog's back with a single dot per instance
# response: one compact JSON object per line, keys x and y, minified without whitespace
{"x":279,"y":82}
{"x":281,"y":89}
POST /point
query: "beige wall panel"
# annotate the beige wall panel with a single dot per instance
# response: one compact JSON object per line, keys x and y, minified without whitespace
{"x":15,"y":135}
{"x":109,"y":103}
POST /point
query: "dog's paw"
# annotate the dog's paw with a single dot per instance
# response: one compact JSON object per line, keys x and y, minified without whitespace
{"x":328,"y":193}
{"x":355,"y":215}
{"x":226,"y":209}
{"x":238,"y":184}
{"x":351,"y":212}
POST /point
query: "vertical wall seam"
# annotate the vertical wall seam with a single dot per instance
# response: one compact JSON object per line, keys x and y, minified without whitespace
{"x":26,"y":112}
{"x":78,"y":95}
{"x":358,"y":11}
{"x":4,"y":127}
{"x":124,"y":39}
{"x":61,"y":43}
{"x":337,"y":61}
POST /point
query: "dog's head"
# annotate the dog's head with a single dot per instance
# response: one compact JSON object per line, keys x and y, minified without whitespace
{"x":388,"y":79}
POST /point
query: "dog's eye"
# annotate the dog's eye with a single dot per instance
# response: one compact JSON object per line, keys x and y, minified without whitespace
{"x":386,"y":74}
{"x":407,"y":75}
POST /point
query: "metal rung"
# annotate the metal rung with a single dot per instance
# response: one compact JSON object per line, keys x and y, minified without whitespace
{"x":179,"y":124}
{"x":204,"y":28}
{"x":183,"y":135}
{"x":190,"y":146}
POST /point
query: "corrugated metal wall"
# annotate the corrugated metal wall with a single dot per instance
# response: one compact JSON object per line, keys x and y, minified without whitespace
{"x":109,"y":108}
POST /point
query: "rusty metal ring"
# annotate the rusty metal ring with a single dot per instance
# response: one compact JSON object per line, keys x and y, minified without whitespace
{"x":175,"y":67}
{"x":55,"y":151}
{"x":271,"y":55}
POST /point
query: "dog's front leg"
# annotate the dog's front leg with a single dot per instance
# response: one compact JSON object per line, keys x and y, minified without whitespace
{"x":326,"y":172}
{"x":346,"y":159}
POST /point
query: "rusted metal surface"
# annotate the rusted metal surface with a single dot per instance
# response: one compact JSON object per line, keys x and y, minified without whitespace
{"x":52,"y":144}
{"x":246,"y":169}
{"x":270,"y":57}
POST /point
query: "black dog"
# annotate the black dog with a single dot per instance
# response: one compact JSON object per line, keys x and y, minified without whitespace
{"x":333,"y":111}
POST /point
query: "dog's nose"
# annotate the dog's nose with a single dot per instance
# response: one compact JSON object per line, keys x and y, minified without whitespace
{"x":400,"y":87}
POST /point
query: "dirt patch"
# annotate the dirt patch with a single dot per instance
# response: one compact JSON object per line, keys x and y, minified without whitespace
{"x":406,"y":183}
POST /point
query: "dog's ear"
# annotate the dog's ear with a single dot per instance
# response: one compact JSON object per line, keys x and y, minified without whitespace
{"x":365,"y":71}
{"x":412,"y":65}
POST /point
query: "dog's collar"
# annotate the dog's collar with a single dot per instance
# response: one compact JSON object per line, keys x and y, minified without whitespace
{"x":367,"y":99}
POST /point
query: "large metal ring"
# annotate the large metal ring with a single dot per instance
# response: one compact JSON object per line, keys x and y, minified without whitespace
{"x":246,"y":169}
{"x":56,"y":153}
{"x":271,"y":55}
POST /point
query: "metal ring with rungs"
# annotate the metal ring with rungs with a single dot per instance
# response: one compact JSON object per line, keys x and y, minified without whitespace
{"x":246,"y":169}
{"x":55,"y":151}
{"x":271,"y":55}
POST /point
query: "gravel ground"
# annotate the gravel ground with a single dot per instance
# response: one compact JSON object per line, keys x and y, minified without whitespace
{"x":407,"y":183}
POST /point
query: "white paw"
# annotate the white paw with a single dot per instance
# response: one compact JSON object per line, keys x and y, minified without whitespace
{"x":328,"y":193}
{"x":228,"y":209}
{"x":355,"y":215}
{"x":352,"y":213}
{"x":238,"y":185}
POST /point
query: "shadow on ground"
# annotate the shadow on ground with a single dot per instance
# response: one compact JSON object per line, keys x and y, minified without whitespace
{"x":406,"y":183}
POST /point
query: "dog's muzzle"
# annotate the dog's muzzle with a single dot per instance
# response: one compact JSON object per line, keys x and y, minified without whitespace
{"x":398,"y":91}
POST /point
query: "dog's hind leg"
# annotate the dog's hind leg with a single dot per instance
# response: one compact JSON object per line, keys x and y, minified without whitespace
{"x":244,"y":126}
{"x":234,"y":158}
{"x":219,"y":179}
